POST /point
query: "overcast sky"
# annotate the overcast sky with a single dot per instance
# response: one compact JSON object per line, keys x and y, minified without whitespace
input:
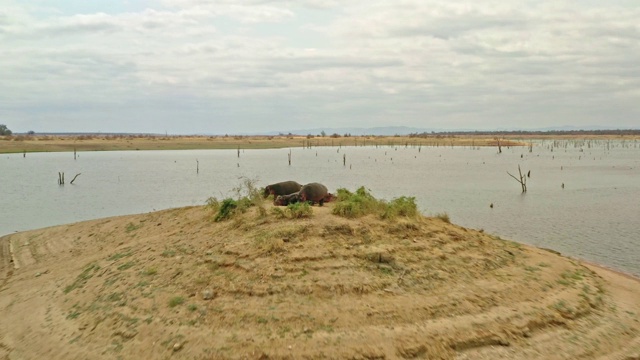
{"x":215,"y":67}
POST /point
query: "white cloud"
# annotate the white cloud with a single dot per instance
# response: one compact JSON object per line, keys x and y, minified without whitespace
{"x":328,"y":63}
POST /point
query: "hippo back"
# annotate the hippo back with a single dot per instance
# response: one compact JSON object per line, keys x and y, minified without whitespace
{"x":314,"y":192}
{"x":282,"y":188}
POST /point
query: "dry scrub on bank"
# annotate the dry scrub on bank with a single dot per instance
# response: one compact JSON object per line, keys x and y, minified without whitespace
{"x":176,"y":283}
{"x":96,"y":142}
{"x":347,"y":204}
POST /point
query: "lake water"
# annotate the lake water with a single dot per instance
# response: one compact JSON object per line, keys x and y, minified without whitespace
{"x":596,"y":216}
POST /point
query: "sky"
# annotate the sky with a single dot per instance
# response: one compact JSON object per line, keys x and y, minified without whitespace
{"x":255,"y":66}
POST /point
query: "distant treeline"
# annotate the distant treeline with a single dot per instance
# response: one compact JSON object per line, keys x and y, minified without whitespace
{"x":425,"y":134}
{"x":523,"y":132}
{"x":95,"y":134}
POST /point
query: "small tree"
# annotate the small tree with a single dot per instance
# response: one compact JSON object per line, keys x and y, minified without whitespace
{"x":4,"y":130}
{"x":323,"y":134}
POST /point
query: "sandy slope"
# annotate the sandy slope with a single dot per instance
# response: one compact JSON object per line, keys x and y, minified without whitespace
{"x":174,"y":284}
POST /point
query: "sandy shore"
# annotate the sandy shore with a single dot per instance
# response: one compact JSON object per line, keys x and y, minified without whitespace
{"x":176,"y":284}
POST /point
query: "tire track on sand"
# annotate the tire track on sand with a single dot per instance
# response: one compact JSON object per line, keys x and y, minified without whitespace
{"x":6,"y":271}
{"x":6,"y":262}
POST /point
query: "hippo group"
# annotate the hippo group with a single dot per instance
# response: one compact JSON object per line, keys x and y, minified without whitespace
{"x":291,"y":192}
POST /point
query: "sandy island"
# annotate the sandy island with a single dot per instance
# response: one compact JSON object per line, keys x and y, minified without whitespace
{"x":176,"y":284}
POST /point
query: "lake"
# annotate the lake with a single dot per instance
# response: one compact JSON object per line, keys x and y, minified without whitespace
{"x":595,"y":216}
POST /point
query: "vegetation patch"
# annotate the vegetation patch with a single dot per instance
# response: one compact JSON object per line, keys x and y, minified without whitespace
{"x":118,"y":256}
{"x":132,"y":227}
{"x":444,"y":217}
{"x":569,"y":278}
{"x":82,"y":279}
{"x":402,"y":206}
{"x":73,"y":315}
{"x":361,"y":203}
{"x":247,"y":195}
{"x":213,"y":204}
{"x":227,"y":208}
{"x":168,"y":253}
{"x":150,"y":271}
{"x":113,"y":297}
{"x":175,"y":301}
{"x":126,"y":265}
{"x":294,"y":211}
{"x":356,"y":204}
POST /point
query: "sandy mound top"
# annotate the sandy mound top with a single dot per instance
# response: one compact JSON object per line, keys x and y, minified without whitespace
{"x":177,"y":284}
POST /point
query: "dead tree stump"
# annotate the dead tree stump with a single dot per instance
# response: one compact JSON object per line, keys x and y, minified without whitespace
{"x":522,"y":180}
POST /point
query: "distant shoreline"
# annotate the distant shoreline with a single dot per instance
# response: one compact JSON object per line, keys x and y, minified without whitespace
{"x":120,"y":142}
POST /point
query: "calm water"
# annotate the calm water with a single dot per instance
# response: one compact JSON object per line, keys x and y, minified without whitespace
{"x":596,"y":216}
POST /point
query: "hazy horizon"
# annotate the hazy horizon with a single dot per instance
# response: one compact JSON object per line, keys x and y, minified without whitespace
{"x":378,"y":131}
{"x":258,"y":66}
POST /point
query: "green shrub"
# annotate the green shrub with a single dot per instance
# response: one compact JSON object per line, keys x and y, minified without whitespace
{"x":343,"y":194}
{"x":360,"y":203}
{"x":299,"y":210}
{"x":347,"y":209}
{"x":402,"y":206}
{"x":247,"y":195}
{"x":293,"y":211}
{"x":227,"y":208}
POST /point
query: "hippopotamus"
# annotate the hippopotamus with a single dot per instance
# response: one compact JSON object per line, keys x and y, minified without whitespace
{"x":313,"y":193}
{"x":329,"y":197}
{"x":284,"y":200}
{"x":282,"y":188}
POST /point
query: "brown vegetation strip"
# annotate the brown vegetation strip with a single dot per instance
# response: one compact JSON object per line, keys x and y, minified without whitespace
{"x":36,"y":143}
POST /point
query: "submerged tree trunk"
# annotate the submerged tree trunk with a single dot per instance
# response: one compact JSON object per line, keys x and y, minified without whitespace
{"x":74,"y":178}
{"x":522,"y":180}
